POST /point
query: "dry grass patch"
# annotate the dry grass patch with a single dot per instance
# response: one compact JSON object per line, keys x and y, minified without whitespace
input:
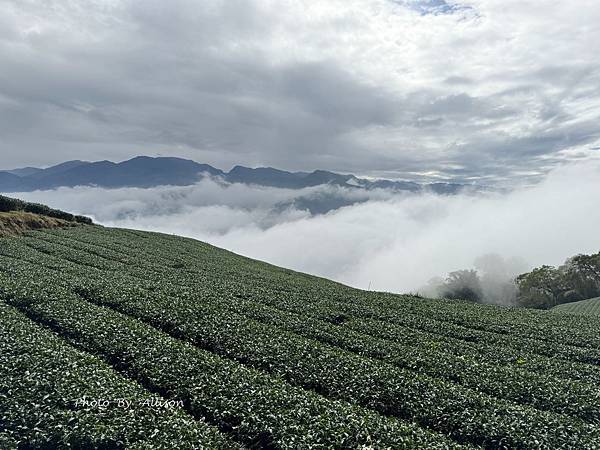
{"x":18,"y":222}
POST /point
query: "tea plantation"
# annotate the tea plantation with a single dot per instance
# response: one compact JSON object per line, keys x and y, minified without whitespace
{"x":589,"y":306}
{"x":256,"y":356}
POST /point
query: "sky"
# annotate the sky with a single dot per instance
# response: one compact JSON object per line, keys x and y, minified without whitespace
{"x":485,"y":91}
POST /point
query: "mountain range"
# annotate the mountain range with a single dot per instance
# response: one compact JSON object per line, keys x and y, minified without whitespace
{"x":146,"y":172}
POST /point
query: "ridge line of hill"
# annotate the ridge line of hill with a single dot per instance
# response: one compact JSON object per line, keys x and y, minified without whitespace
{"x":145,"y":172}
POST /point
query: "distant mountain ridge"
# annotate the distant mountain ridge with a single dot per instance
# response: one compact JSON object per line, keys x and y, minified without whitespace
{"x":146,"y":172}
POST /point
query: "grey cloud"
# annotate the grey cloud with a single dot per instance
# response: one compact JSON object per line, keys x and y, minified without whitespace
{"x":194,"y":97}
{"x":240,"y":82}
{"x":463,"y":106}
{"x":458,"y":80}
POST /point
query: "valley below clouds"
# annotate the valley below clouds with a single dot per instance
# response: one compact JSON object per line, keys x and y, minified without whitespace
{"x":390,"y":241}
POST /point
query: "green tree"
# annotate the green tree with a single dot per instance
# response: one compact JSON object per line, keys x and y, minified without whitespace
{"x":582,"y":275}
{"x":463,"y":284}
{"x":541,"y":288}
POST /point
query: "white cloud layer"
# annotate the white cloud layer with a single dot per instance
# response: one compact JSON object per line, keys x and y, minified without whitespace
{"x":393,"y":242}
{"x":472,"y":89}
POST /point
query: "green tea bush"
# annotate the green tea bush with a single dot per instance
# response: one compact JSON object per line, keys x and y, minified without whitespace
{"x":277,"y":359}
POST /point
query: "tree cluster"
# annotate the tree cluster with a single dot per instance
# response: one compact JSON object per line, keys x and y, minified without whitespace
{"x":547,"y":286}
{"x":542,"y":288}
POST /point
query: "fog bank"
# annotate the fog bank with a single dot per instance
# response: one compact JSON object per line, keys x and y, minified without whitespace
{"x":395,"y":242}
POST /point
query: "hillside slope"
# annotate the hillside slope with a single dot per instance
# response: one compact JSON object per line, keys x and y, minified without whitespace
{"x":252,"y":355}
{"x":586,"y":307}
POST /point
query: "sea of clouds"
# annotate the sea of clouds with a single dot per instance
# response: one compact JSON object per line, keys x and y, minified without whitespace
{"x":389,"y":241}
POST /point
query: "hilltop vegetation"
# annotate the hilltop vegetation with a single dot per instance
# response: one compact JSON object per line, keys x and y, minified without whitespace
{"x":577,"y":279}
{"x":13,"y":205}
{"x":264,"y":357}
{"x":17,"y":217}
{"x":542,"y":288}
{"x":17,"y":222}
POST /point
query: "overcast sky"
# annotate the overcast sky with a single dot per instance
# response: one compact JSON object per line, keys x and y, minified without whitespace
{"x":483,"y":90}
